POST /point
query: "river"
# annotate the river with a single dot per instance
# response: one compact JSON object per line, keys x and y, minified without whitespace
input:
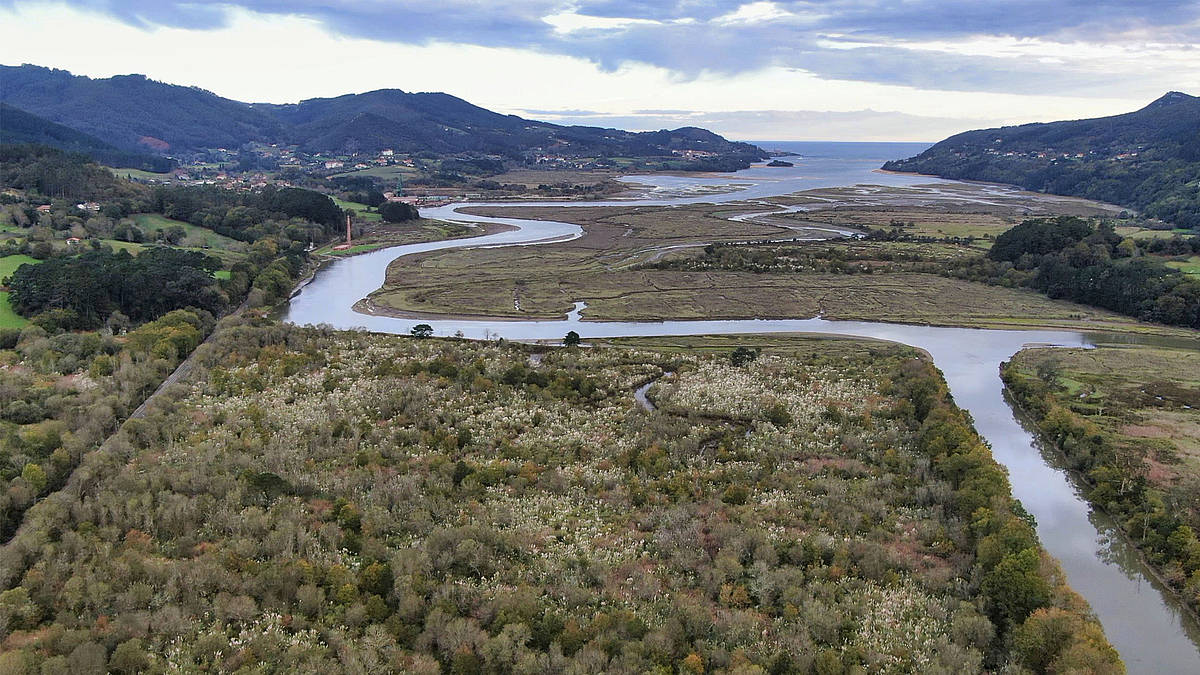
{"x":1146,"y":624}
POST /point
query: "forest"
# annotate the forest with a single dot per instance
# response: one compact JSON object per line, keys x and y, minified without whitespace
{"x":129,"y":110}
{"x":62,"y":394}
{"x":86,"y":289}
{"x":1074,"y":259}
{"x":22,"y":127}
{"x":61,"y":175}
{"x":338,"y":501}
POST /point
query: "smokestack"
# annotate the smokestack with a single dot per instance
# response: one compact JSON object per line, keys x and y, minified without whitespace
{"x":347,"y":228}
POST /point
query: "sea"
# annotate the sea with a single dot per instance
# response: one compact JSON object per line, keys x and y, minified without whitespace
{"x":882,"y":152}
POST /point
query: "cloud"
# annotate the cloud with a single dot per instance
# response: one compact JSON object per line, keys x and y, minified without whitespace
{"x":920,"y":43}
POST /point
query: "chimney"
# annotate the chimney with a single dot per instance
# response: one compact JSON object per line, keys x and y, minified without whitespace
{"x":347,"y":228}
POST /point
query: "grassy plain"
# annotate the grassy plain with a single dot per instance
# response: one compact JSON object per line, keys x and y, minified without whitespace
{"x":362,"y":212}
{"x":1146,"y":397}
{"x":196,"y":237}
{"x":8,"y":317}
{"x":138,"y":174}
{"x":387,"y":173}
{"x":1190,"y":265}
{"x":10,"y":263}
{"x":601,"y":269}
{"x":1137,"y":232}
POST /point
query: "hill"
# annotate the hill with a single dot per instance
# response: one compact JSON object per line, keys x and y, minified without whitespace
{"x":133,"y":112}
{"x":136,"y":113}
{"x":18,"y":126}
{"x":1148,"y":160}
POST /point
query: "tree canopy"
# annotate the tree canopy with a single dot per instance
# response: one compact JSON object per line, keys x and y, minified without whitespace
{"x":95,"y":284}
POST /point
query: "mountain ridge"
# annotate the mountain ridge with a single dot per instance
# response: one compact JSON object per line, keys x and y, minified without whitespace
{"x":136,"y":113}
{"x":1147,"y":159}
{"x":19,"y":126}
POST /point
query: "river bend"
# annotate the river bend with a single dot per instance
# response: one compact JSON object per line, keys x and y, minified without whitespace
{"x":1145,"y":623}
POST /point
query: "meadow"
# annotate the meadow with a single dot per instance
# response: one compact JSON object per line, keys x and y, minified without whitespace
{"x":8,"y":317}
{"x":195,"y":237}
{"x":362,"y":212}
{"x":8,"y":265}
{"x":388,"y":174}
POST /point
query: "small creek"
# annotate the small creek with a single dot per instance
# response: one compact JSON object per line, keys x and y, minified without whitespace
{"x":1146,"y":625}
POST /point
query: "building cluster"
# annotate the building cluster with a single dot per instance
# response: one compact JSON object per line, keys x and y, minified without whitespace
{"x":1054,"y":155}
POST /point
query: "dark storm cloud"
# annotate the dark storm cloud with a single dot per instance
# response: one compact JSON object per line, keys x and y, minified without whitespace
{"x":690,"y":36}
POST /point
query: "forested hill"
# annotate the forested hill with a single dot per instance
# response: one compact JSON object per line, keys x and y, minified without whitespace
{"x":18,"y":126}
{"x":1148,"y":160}
{"x":135,"y":113}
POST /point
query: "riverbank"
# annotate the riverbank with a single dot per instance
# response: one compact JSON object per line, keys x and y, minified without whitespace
{"x":783,"y":514}
{"x":606,"y":267}
{"x":1128,"y":607}
{"x":383,"y":235}
{"x":1127,"y":421}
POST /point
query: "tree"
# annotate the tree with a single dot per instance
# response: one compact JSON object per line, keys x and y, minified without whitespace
{"x":742,"y":356}
{"x":129,"y":657}
{"x":572,"y":339}
{"x":398,"y":212}
{"x":1015,"y":588}
{"x":422,"y":330}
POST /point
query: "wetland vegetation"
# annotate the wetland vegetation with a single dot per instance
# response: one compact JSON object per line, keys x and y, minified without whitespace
{"x":1127,"y":419}
{"x":315,"y":499}
{"x":649,"y":263}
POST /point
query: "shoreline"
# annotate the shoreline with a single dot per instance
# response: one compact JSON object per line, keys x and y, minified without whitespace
{"x":370,"y":307}
{"x":1080,"y":479}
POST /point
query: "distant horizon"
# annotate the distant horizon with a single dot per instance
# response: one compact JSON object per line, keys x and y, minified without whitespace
{"x":635,"y":123}
{"x":838,"y":69}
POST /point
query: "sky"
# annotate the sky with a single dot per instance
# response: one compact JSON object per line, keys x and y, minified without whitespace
{"x":907,"y":70}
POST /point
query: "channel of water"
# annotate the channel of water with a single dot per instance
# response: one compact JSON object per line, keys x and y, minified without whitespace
{"x":1147,"y":625}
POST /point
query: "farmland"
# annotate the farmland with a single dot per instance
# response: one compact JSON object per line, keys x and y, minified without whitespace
{"x":10,"y":263}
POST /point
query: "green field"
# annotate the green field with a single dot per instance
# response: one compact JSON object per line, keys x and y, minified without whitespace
{"x":138,"y":174}
{"x":1189,"y":266}
{"x":196,"y":235}
{"x":9,"y":318}
{"x":1146,"y":233}
{"x":9,"y":264}
{"x":118,"y":245}
{"x":361,"y":211}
